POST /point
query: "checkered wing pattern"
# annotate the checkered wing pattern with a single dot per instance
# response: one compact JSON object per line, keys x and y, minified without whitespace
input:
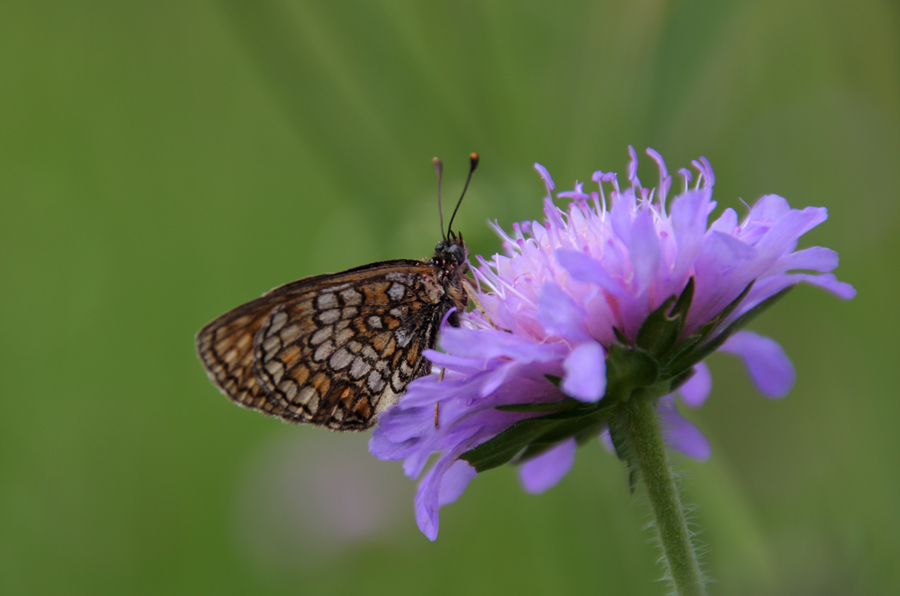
{"x":333,"y":350}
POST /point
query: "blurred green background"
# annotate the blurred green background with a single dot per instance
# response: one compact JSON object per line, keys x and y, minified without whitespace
{"x":163,"y":162}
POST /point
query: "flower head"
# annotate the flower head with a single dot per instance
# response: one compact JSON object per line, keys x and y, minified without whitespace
{"x":625,"y":291}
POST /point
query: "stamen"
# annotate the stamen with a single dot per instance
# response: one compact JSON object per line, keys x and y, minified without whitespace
{"x":548,"y":181}
{"x":614,"y":178}
{"x":665,"y":181}
{"x":686,"y":176}
{"x":517,"y":228}
{"x":633,"y":167}
{"x":553,"y":212}
{"x":595,"y":197}
{"x":576,"y":194}
{"x":502,"y":233}
{"x":708,"y":171}
{"x":599,"y":177}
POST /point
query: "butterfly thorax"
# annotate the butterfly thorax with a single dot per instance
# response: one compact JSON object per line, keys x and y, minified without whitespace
{"x":451,"y":264}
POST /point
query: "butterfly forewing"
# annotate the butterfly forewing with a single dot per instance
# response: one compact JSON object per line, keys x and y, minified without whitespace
{"x":333,"y":350}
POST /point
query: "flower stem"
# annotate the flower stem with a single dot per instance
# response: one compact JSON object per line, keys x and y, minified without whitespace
{"x":648,"y":453}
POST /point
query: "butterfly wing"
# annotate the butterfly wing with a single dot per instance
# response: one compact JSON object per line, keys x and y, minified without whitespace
{"x":333,"y":350}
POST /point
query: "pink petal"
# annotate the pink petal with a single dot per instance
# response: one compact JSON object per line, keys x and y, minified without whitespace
{"x":585,"y":372}
{"x":546,"y":470}
{"x":545,"y":175}
{"x":583,"y":268}
{"x":560,"y":315}
{"x":644,"y":250}
{"x":455,"y":481}
{"x":782,"y":237}
{"x":689,"y":216}
{"x":697,"y":389}
{"x":492,"y":343}
{"x":816,"y":258}
{"x":768,"y":208}
{"x":680,"y":433}
{"x":432,"y":491}
{"x":765,"y":360}
{"x":828,"y":281}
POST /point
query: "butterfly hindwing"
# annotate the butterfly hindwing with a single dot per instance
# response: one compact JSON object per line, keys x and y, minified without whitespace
{"x":333,"y":350}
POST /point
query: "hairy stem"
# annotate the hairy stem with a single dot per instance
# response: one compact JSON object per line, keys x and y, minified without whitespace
{"x":648,"y":452}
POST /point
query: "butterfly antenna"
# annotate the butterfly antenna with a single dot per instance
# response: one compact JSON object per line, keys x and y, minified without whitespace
{"x":439,"y":168}
{"x":473,"y":163}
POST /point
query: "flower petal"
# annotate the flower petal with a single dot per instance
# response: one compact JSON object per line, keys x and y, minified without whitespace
{"x":680,"y":433}
{"x":427,"y":501}
{"x":828,"y":282}
{"x":644,"y":250}
{"x":545,"y":176}
{"x":697,"y":389}
{"x":493,"y":343}
{"x":765,"y":360}
{"x":383,"y":446}
{"x":402,"y":424}
{"x":782,"y":237}
{"x":560,"y":315}
{"x":689,"y":216}
{"x":583,"y":268}
{"x":585,"y":372}
{"x":455,"y":481}
{"x":546,"y":470}
{"x":815,"y":258}
{"x":727,"y":222}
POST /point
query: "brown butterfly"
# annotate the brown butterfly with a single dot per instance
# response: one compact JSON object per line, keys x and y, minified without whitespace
{"x":337,"y":349}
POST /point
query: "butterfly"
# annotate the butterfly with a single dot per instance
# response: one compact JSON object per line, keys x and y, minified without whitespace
{"x":337,"y":349}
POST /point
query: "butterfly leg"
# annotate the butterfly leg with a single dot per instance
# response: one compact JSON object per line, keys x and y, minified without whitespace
{"x":437,"y":406}
{"x":470,"y":292}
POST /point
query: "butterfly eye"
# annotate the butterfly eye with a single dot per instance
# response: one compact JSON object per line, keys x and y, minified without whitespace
{"x":456,"y":252}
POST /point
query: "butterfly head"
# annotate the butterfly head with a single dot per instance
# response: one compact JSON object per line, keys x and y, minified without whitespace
{"x":451,"y":253}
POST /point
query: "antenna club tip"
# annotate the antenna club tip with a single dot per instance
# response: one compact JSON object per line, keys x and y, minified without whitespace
{"x":473,"y":157}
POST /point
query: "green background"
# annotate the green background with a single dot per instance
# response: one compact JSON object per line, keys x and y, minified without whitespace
{"x":162,"y":162}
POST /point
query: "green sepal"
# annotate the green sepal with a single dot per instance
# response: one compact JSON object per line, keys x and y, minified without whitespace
{"x":553,"y":406}
{"x":532,"y":451}
{"x":681,"y":378}
{"x":537,"y":434}
{"x":710,"y":326}
{"x":619,"y":437}
{"x":659,"y":331}
{"x":684,"y":348}
{"x":685,"y":300}
{"x":692,"y":357}
{"x":634,"y":476}
{"x":743,"y":320}
{"x":725,"y":312}
{"x":586,"y":434}
{"x":627,"y":369}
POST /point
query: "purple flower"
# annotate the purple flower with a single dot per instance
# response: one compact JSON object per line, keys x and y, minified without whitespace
{"x":621,"y":292}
